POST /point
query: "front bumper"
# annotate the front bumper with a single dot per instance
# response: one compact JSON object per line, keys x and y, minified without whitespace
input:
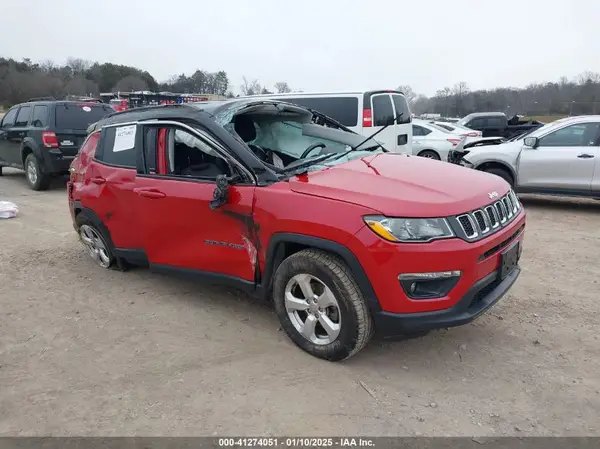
{"x":481,"y":297}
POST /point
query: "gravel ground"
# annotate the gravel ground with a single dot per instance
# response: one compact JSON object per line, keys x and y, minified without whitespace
{"x":86,"y":351}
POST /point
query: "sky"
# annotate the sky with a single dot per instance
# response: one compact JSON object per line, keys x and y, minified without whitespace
{"x":318,"y":45}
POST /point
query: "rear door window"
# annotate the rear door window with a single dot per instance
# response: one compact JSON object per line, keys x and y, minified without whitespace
{"x":383,"y":111}
{"x":495,"y":122}
{"x":118,"y":150}
{"x":80,"y":116}
{"x":40,"y":116}
{"x":341,"y":109}
{"x":401,"y":106}
{"x":23,"y":116}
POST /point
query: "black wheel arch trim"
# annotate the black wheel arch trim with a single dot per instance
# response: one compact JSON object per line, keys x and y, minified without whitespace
{"x":503,"y":165}
{"x":29,"y":145}
{"x":77,"y":206}
{"x":275,"y":255}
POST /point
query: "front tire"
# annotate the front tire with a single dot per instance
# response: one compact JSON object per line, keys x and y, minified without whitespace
{"x":430,"y":154}
{"x":36,"y":179}
{"x":320,"y":306}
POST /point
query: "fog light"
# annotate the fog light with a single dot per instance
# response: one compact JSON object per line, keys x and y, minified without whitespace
{"x":429,"y":285}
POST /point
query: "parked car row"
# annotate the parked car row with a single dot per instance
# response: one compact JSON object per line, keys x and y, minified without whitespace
{"x":284,"y":201}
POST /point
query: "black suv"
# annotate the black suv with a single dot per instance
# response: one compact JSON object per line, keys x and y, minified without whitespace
{"x":43,"y":137}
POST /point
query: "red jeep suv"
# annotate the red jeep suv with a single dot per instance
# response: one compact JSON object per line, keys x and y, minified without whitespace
{"x":282,"y":201}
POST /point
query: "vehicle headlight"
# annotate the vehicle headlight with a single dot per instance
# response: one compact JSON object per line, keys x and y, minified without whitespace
{"x":409,"y":229}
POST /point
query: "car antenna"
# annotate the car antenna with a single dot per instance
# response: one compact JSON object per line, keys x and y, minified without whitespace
{"x":390,"y":122}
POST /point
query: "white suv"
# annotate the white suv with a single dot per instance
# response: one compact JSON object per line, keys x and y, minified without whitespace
{"x":559,"y":158}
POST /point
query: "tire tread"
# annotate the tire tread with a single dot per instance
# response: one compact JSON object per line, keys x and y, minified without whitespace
{"x":343,"y":275}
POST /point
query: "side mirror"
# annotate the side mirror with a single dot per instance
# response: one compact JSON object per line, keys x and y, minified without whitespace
{"x":221,"y":192}
{"x":532,"y":142}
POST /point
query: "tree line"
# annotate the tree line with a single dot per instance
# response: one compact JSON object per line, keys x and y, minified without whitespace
{"x":578,"y":96}
{"x":21,"y":80}
{"x":25,"y":79}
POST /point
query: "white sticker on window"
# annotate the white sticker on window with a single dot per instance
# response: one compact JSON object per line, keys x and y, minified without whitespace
{"x":124,"y":138}
{"x":86,"y":108}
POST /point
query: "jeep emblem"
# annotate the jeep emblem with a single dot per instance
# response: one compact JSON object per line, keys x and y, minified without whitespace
{"x":493,"y":195}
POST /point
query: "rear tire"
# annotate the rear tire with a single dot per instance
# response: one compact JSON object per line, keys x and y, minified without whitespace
{"x":36,"y":179}
{"x":504,"y":174}
{"x":96,"y":241}
{"x":320,"y":306}
{"x":430,"y":154}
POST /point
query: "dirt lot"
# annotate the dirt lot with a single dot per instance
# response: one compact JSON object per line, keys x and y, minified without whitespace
{"x":85,"y":351}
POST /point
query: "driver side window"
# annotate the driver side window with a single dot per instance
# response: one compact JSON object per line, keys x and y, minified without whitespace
{"x":181,"y":153}
{"x":579,"y":135}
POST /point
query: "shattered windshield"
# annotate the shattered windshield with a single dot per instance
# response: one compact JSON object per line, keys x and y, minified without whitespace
{"x":286,"y":140}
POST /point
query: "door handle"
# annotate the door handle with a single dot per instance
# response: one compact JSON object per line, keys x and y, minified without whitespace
{"x":150,"y":193}
{"x":585,"y":156}
{"x":98,"y":180}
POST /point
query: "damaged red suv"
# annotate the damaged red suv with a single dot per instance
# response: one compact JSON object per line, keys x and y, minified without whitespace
{"x":346,"y":238}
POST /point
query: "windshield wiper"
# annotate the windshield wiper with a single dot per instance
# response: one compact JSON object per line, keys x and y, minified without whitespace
{"x":390,"y":122}
{"x":295,"y":169}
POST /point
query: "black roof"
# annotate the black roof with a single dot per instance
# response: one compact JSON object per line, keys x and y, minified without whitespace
{"x":182,"y":111}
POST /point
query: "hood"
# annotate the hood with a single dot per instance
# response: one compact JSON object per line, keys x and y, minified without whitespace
{"x":403,"y":186}
{"x":504,"y":152}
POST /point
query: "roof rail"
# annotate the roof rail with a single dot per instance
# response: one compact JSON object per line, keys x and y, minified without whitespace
{"x":41,"y":99}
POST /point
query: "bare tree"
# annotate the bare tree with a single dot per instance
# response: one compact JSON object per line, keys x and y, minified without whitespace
{"x":460,"y":91}
{"x":130,"y":83}
{"x":282,"y":87}
{"x":81,"y":86}
{"x":250,"y":87}
{"x":409,"y":94}
{"x":78,"y":66}
{"x":589,"y":77}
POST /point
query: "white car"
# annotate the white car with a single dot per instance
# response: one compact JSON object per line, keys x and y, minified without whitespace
{"x":432,"y":141}
{"x":455,"y":128}
{"x":559,"y":158}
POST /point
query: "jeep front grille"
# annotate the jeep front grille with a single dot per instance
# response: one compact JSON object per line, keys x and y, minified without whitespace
{"x":486,"y":220}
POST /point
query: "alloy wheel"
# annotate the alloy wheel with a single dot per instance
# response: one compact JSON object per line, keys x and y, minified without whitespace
{"x":313,"y":309}
{"x":32,"y":173}
{"x":95,"y":245}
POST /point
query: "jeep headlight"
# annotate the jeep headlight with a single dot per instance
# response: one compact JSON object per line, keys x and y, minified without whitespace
{"x":409,"y":229}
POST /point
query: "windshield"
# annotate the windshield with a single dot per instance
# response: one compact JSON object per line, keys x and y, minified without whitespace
{"x":463,"y":121}
{"x":290,"y":141}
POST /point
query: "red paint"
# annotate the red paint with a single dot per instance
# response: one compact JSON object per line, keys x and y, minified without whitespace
{"x":172,"y":221}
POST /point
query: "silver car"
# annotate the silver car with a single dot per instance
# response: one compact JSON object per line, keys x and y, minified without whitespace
{"x":560,"y":158}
